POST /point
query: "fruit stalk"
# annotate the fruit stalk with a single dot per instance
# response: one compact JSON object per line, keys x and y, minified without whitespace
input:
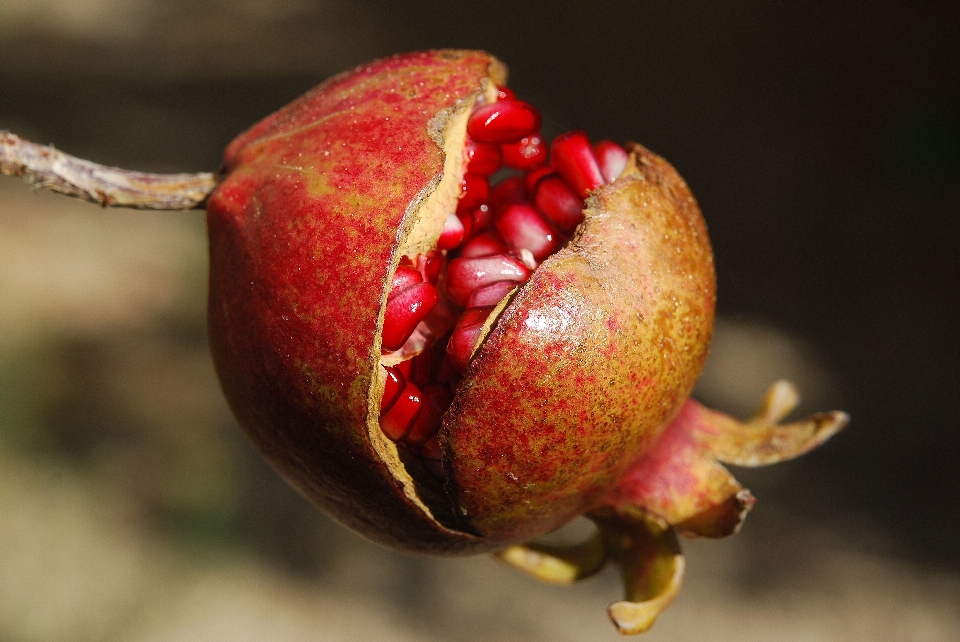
{"x":49,"y":168}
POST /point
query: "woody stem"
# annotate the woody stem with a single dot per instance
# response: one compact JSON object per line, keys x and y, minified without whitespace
{"x":51,"y":169}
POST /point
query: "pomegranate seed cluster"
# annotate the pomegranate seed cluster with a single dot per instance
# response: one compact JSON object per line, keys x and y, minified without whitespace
{"x":492,"y":243}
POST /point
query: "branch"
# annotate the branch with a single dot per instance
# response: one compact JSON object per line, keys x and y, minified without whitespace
{"x":109,"y":186}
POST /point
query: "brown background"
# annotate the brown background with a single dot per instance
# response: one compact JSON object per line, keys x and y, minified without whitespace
{"x":823,"y":142}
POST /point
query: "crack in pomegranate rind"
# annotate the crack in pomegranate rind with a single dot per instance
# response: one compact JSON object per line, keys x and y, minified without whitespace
{"x":291,"y":331}
{"x":443,"y":302}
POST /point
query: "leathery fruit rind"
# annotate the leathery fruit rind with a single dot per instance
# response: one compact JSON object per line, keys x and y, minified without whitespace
{"x":591,"y":358}
{"x":579,"y":371}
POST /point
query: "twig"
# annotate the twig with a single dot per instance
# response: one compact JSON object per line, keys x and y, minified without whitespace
{"x":109,"y":186}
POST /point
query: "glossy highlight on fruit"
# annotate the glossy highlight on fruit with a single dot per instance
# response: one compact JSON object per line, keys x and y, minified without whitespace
{"x":455,"y":338}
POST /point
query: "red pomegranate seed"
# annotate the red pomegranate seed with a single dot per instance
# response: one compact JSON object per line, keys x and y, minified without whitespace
{"x":474,"y":192}
{"x":507,"y":192}
{"x":424,"y":366}
{"x":572,"y":157}
{"x":433,"y":264}
{"x":525,"y":154}
{"x":484,"y":244}
{"x":559,"y":204}
{"x":490,"y":294}
{"x":533,"y":178}
{"x":405,"y":310}
{"x":611,"y":158}
{"x":482,"y":159}
{"x":505,"y":93}
{"x":482,"y":218}
{"x":466,"y":220}
{"x":436,"y":400}
{"x":522,"y":228}
{"x":394,"y":386}
{"x":504,"y":121}
{"x":464,"y":275}
{"x":396,"y":422}
{"x":404,"y":367}
{"x":465,"y":335}
{"x":453,"y":233}
{"x":404,"y":277}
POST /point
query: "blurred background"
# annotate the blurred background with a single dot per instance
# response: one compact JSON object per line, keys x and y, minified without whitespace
{"x":823,"y":143}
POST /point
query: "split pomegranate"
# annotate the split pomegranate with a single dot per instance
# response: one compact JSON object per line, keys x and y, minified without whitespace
{"x":455,"y":336}
{"x":486,"y":256}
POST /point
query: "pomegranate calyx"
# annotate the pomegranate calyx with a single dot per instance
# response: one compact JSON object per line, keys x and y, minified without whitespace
{"x":682,"y":480}
{"x":641,"y":544}
{"x":558,"y":564}
{"x":678,"y":485}
{"x":763,"y":440}
{"x":648,"y":554}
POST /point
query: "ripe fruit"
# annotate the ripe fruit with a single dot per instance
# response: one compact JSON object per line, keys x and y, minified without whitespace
{"x":449,"y":368}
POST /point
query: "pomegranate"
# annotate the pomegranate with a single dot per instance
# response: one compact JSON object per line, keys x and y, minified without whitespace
{"x":491,"y":400}
{"x":456,"y":336}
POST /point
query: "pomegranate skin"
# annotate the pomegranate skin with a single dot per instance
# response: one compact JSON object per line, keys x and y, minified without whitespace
{"x":596,"y":353}
{"x":303,"y":232}
{"x":575,"y":381}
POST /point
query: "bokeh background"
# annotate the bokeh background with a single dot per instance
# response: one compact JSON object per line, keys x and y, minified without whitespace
{"x":823,"y":142}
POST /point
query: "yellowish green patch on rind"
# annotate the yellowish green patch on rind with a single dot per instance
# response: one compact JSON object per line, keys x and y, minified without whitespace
{"x":595,"y":353}
{"x":305,"y":231}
